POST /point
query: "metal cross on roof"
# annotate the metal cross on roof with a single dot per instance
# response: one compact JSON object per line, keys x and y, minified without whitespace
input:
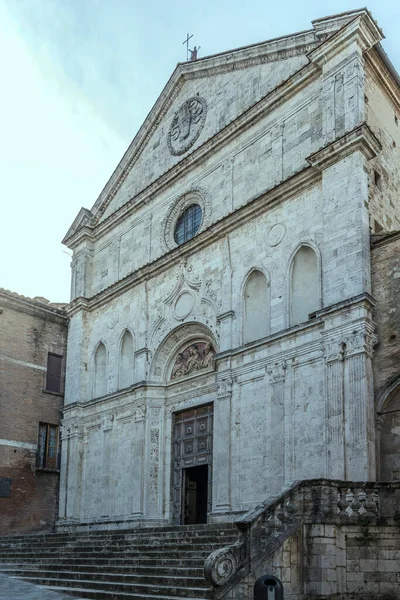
{"x":187,"y":45}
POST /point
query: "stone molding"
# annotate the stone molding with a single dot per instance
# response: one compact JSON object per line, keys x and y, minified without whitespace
{"x":361,"y":138}
{"x":255,"y":206}
{"x":180,"y":337}
{"x":362,"y":29}
{"x":195,"y":195}
{"x":381,"y":70}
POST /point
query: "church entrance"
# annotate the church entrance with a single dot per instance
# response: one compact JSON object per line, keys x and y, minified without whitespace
{"x":195,"y":494}
{"x":192,"y":465}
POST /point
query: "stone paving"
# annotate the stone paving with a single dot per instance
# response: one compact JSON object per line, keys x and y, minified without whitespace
{"x":15,"y":589}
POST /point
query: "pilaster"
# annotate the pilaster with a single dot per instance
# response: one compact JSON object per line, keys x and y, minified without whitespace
{"x":222,"y":447}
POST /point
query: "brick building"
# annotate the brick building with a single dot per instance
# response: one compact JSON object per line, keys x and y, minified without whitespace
{"x":32,"y":356}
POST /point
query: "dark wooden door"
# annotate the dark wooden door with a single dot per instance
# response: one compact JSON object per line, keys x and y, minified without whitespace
{"x":192,"y":446}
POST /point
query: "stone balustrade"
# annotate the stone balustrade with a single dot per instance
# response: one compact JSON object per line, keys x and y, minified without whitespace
{"x":320,"y":501}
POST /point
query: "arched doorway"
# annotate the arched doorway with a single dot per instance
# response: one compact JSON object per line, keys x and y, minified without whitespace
{"x":390,"y":437}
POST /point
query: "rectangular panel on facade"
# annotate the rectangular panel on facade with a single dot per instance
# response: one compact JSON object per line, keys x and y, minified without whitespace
{"x":53,"y":376}
{"x":5,"y":487}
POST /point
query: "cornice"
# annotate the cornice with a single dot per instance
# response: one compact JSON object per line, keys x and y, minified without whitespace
{"x":382,"y":71}
{"x":361,"y":138}
{"x":32,"y":307}
{"x":250,"y":117}
{"x":362,"y":29}
{"x":256,"y":206}
{"x":383,"y":239}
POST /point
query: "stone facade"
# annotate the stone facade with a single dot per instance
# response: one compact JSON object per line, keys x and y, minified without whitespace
{"x":30,"y":330}
{"x":280,"y":144}
{"x":386,"y":290}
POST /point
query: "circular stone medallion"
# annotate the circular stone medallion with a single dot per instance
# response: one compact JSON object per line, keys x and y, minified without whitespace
{"x":276,"y":234}
{"x":183,"y":305}
{"x":186,"y":125}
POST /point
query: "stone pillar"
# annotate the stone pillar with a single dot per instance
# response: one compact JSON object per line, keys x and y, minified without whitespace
{"x":138,"y":434}
{"x":222,"y":447}
{"x":153,"y":488}
{"x":73,"y":480}
{"x":334,"y":408}
{"x":359,"y":406}
{"x":106,"y":501}
{"x":141,"y":363}
{"x":275,"y":450}
{"x":64,"y":466}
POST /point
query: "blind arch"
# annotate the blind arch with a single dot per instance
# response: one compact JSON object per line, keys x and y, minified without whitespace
{"x":100,"y":371}
{"x":255,"y":307}
{"x":304,"y":285}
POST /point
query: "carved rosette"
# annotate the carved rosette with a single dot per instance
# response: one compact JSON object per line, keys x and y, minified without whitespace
{"x":186,"y":125}
{"x":220,"y":566}
{"x":277,"y":372}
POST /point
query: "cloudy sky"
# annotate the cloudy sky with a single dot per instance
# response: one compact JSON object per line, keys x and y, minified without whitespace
{"x":78,"y":79}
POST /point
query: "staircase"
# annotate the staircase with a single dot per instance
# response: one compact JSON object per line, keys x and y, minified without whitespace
{"x":154,"y":563}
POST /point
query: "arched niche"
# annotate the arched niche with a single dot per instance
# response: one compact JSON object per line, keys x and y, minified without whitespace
{"x":305,"y":285}
{"x":100,"y":371}
{"x":126,"y":360}
{"x":177,"y":342}
{"x":389,"y":438}
{"x":255,"y":307}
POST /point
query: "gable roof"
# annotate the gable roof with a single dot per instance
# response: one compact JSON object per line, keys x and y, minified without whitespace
{"x":304,"y":42}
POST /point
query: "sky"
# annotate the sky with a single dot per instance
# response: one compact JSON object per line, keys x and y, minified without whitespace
{"x":78,"y":78}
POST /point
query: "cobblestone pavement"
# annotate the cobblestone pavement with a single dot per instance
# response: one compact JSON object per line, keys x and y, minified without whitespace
{"x":15,"y":589}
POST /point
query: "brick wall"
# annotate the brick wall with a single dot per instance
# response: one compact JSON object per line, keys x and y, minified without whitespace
{"x":29,"y":331}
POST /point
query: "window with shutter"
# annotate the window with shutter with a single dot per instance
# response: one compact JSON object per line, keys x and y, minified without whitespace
{"x":53,"y":377}
{"x":48,"y":446}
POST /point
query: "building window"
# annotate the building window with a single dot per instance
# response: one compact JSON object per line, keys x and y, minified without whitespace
{"x":53,"y":377}
{"x":48,"y":444}
{"x":188,"y":224}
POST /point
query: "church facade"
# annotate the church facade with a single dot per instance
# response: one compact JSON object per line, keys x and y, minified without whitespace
{"x":222,"y":324}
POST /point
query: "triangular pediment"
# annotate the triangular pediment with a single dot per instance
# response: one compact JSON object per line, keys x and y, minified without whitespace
{"x":202,"y":98}
{"x":84,"y":219}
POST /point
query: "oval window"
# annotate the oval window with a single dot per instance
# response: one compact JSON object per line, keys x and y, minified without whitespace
{"x":188,"y":224}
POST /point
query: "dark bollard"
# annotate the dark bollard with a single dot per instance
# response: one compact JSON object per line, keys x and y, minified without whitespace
{"x":268,"y":587}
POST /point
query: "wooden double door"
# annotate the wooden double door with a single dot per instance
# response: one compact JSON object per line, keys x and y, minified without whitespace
{"x":192,"y":465}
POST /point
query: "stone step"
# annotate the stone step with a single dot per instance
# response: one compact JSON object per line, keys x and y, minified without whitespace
{"x":168,"y":531}
{"x":170,"y":562}
{"x":147,"y":564}
{"x":107,"y":595}
{"x":177,"y":591}
{"x":128,"y":554}
{"x":130,"y":578}
{"x":116,"y":567}
{"x":125,"y":544}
